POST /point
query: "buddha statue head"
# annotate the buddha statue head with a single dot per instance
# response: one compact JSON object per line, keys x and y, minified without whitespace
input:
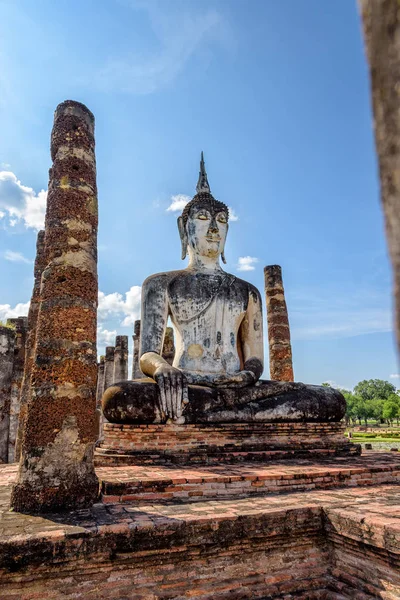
{"x":203,"y":225}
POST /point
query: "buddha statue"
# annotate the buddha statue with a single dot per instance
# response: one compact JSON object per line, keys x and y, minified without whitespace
{"x":219,"y":357}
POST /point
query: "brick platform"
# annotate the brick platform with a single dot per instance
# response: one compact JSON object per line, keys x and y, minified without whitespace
{"x":337,"y":543}
{"x":147,"y":484}
{"x":221,"y":443}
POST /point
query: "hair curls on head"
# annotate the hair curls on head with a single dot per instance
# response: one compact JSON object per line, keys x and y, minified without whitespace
{"x":201,"y":199}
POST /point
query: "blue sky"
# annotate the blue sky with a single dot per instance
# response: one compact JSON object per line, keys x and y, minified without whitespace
{"x":275,"y":93}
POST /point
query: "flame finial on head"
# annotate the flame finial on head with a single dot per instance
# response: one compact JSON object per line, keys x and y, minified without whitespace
{"x":202,"y":184}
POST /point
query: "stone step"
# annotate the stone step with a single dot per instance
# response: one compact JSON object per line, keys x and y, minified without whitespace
{"x":107,"y":457}
{"x":149,"y":484}
{"x":323,"y":544}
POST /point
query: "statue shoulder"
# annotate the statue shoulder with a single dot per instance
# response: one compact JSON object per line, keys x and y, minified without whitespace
{"x":159,"y":281}
{"x":251,"y":290}
{"x":254,"y":293}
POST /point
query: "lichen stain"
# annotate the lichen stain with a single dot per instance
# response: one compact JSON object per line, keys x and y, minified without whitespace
{"x":195,"y":351}
{"x":75,"y":225}
{"x":92,"y":205}
{"x":60,"y":455}
{"x":80,"y":260}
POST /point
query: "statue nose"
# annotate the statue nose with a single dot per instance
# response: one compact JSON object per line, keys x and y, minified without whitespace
{"x":213,"y":226}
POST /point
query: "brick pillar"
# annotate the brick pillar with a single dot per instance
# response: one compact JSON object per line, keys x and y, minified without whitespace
{"x":109,"y":367}
{"x":168,"y":352}
{"x":99,"y":395}
{"x":280,"y":349}
{"x":7,"y":341}
{"x":56,"y":470}
{"x":25,"y":393}
{"x":136,"y":372}
{"x":121,"y":358}
{"x":21,"y":331}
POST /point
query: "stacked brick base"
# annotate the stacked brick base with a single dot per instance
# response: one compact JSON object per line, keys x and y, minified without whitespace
{"x":220,"y":443}
{"x":335,"y":543}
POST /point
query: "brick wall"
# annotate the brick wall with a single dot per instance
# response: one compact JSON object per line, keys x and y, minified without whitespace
{"x":221,"y":442}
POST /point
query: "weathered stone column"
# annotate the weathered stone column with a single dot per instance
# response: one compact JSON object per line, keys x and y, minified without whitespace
{"x":381,"y":25}
{"x":280,"y":349}
{"x":25,"y":393}
{"x":109,"y":367}
{"x":108,"y":380}
{"x":121,"y":358}
{"x":100,"y":381}
{"x":168,"y":352}
{"x":21,"y":331}
{"x":56,"y":470}
{"x":99,"y":395}
{"x":136,"y":372}
{"x":7,"y":341}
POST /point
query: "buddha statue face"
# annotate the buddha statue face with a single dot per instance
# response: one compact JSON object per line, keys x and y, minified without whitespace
{"x":203,"y":228}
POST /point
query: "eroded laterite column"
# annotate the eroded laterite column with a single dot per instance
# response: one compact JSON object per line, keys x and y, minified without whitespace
{"x":25,"y":393}
{"x":136,"y":372}
{"x":56,"y":470}
{"x":100,"y":381}
{"x":280,"y":349}
{"x":21,"y":330}
{"x":121,"y":358}
{"x":99,"y":395}
{"x":109,"y":367}
{"x":168,"y":352}
{"x":7,"y":340}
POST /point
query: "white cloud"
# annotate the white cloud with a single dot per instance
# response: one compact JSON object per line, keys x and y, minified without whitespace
{"x":395,"y":376}
{"x":8,"y":312}
{"x":105,"y":337}
{"x":16,"y":257}
{"x":178,"y":202}
{"x":246,"y":263}
{"x":20,"y":203}
{"x":179,"y":33}
{"x":232,"y":214}
{"x":337,"y":386}
{"x":115,"y":305}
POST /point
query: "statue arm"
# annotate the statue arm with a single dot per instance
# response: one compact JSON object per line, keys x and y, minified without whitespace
{"x":173,"y":392}
{"x":251,"y":335}
{"x":154,"y":323}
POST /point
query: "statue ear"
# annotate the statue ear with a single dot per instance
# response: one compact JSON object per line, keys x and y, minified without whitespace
{"x":223,"y":249}
{"x":183,"y":236}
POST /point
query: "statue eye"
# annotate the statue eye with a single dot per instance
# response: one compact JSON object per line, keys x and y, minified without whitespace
{"x":221,"y":218}
{"x":203,"y":216}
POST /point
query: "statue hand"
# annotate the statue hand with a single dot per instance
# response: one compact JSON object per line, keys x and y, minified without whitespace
{"x":173,"y":391}
{"x":238,"y":379}
{"x":253,"y":368}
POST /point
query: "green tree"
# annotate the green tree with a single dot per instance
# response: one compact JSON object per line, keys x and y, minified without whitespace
{"x":377,"y":409}
{"x":396,"y":399}
{"x":358,"y":409}
{"x":349,"y":416}
{"x":374,"y":389}
{"x":373,"y":393}
{"x":390,"y":410}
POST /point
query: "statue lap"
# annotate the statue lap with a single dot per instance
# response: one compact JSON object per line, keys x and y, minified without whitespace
{"x":137,"y":402}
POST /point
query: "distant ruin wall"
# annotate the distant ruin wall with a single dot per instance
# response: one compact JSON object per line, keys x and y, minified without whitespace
{"x":7,"y":341}
{"x":21,"y":331}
